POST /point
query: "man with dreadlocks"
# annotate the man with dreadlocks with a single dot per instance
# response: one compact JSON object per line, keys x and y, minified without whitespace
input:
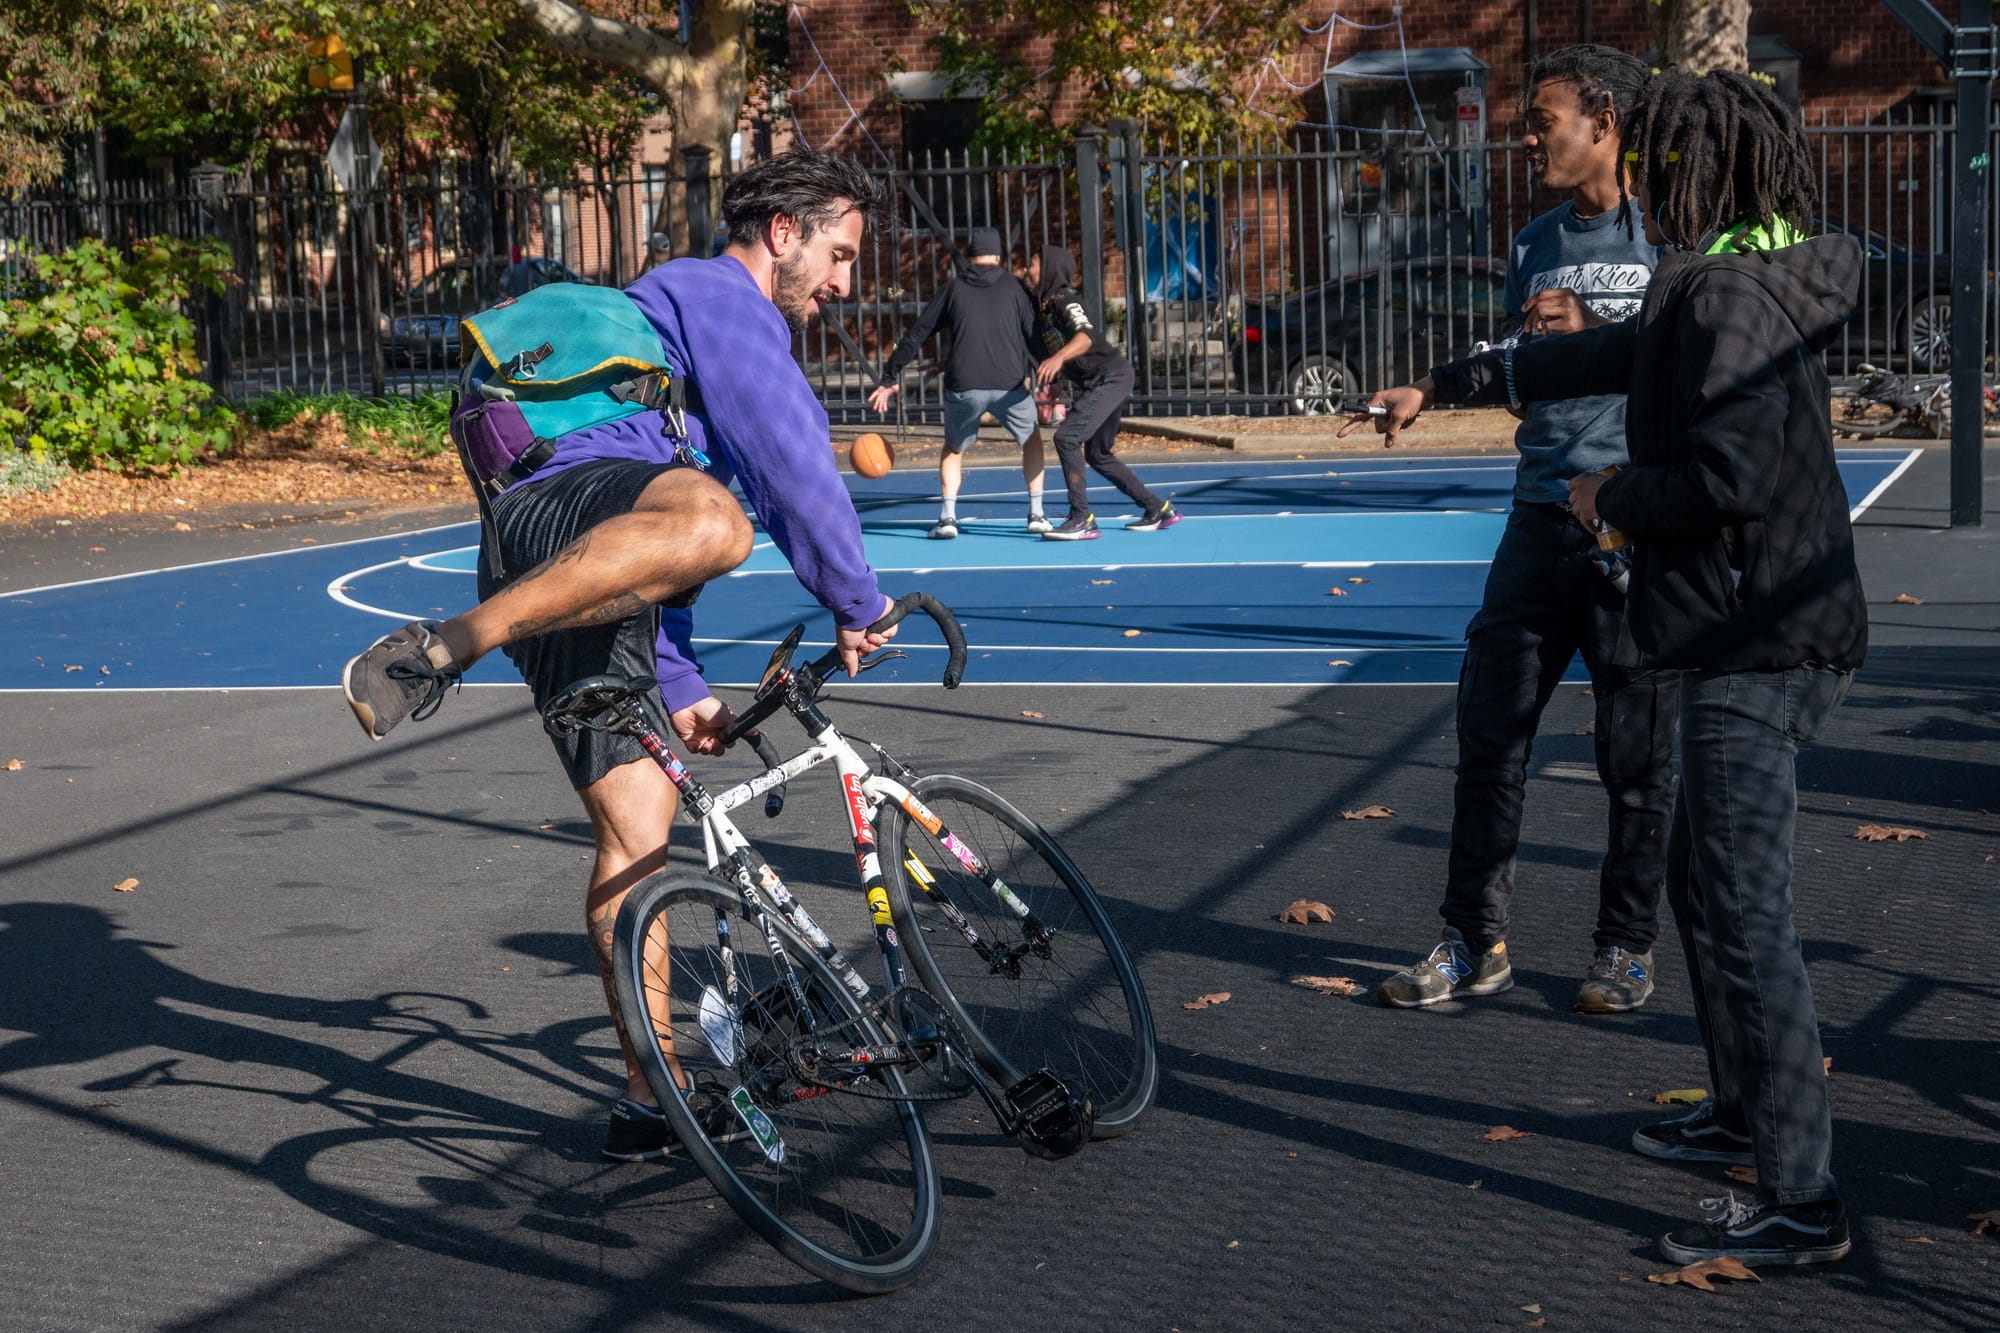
{"x":1745,"y":581}
{"x":1585,"y":262}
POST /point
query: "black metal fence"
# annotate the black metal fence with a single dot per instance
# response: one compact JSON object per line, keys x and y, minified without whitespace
{"x":1269,"y":278}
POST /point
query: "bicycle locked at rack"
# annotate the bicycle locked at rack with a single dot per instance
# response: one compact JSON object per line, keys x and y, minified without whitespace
{"x":791,"y":1082}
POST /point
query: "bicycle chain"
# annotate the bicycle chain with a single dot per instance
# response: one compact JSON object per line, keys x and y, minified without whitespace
{"x":800,"y":1050}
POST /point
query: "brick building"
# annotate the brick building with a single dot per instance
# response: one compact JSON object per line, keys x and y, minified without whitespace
{"x":1839,"y":58}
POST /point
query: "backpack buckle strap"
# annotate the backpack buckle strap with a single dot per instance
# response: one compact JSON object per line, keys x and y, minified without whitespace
{"x":656,"y":391}
{"x":531,"y":459}
{"x":521,"y":365}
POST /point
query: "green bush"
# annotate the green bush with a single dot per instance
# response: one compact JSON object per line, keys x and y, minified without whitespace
{"x":420,"y":425}
{"x":97,"y":360}
{"x":22,"y":472}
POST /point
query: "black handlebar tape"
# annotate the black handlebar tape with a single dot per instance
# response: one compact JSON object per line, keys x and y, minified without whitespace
{"x":947,"y":623}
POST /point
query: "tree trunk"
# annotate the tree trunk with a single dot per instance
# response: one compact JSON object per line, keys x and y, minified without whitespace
{"x":1700,"y":35}
{"x":704,"y":82}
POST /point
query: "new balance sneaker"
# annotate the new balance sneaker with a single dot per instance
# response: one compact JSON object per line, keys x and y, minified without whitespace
{"x":1698,"y":1136}
{"x":404,"y":673}
{"x":1762,"y":1233}
{"x":640,"y":1133}
{"x":1618,"y":982}
{"x":1078,"y":527}
{"x":945,"y":529}
{"x":1038,"y":523}
{"x":1155,"y":519}
{"x":1450,"y":973}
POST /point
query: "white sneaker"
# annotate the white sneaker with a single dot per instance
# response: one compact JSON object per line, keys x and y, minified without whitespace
{"x":946,"y":529}
{"x":1038,"y":524}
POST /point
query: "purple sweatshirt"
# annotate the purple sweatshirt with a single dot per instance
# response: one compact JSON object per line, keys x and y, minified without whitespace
{"x":752,"y":412}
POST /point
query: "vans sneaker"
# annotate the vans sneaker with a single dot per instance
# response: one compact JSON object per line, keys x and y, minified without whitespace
{"x":640,"y":1133}
{"x":1763,"y":1233}
{"x":1698,"y":1136}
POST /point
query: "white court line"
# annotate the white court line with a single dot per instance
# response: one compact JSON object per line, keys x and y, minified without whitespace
{"x":237,"y":559}
{"x":1129,"y":564}
{"x":1887,"y":482}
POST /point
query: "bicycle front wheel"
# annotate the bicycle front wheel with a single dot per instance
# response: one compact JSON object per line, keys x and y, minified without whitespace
{"x":1065,"y":997}
{"x":840,"y":1182}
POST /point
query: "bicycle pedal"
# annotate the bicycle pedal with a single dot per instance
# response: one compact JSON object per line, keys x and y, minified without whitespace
{"x":1050,"y":1121}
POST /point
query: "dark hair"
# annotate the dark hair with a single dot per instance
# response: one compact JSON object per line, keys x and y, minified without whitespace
{"x":1604,"y":77}
{"x":1721,"y":148}
{"x":807,"y":185}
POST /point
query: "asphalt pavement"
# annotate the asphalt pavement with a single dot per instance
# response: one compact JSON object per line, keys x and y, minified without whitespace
{"x":338,"y":1060}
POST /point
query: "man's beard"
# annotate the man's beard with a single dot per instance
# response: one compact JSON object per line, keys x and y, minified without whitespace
{"x":793,"y":291}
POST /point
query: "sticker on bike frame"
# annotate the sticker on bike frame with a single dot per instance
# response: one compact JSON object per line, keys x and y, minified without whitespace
{"x":918,"y":870}
{"x":878,"y":902}
{"x":920,"y":812}
{"x":857,"y":809}
{"x":759,"y":1125}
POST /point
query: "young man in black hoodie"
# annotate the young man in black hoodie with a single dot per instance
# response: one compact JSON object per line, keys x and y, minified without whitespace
{"x":991,"y":323}
{"x":1744,"y":580}
{"x":1101,"y":379}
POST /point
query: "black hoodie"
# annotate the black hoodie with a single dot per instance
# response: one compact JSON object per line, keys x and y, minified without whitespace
{"x":991,"y":321}
{"x":1744,"y":553}
{"x":1063,"y":317}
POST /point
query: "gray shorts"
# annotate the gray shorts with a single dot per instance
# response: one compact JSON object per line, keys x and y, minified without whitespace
{"x":1013,"y":408}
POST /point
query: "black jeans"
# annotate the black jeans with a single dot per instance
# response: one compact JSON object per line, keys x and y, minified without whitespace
{"x":1729,"y":879}
{"x":1088,"y":434}
{"x":1545,"y":602}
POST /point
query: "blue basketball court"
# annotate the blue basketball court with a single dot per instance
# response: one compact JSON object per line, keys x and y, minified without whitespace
{"x":1350,"y":570}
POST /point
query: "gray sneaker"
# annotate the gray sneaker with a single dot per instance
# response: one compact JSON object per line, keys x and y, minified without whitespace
{"x":944,"y":530}
{"x":1450,"y":973}
{"x":1038,"y":523}
{"x":1618,"y":982}
{"x":403,"y":674}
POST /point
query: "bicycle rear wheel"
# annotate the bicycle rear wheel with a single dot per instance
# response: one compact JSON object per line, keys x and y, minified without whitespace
{"x":841,"y":1183}
{"x":1075,"y":1007}
{"x":1864,"y":418}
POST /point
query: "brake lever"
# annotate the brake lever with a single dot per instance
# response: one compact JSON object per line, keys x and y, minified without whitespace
{"x":873,"y":660}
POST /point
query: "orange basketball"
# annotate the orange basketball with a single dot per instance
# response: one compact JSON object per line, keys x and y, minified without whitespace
{"x":872,"y":455}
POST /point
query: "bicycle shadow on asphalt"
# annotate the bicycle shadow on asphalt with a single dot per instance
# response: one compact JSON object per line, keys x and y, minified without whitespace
{"x":427,"y":1166}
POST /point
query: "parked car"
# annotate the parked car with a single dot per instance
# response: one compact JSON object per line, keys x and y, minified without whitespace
{"x":421,"y":327}
{"x":1904,"y":314}
{"x":1368,"y":331}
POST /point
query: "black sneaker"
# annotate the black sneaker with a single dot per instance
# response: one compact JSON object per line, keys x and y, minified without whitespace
{"x":1763,"y":1233}
{"x":403,"y":674}
{"x":639,"y":1133}
{"x":1155,"y":519}
{"x":1695,"y":1137}
{"x":1078,"y":527}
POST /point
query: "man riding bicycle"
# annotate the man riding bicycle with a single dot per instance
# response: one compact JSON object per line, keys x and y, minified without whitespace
{"x":619,"y":530}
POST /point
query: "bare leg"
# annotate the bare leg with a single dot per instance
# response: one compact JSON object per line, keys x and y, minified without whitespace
{"x":684,"y":531}
{"x":1032,"y":462}
{"x":631,"y":810}
{"x":951,"y":474}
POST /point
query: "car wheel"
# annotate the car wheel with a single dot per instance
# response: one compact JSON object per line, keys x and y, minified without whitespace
{"x":1928,"y":336}
{"x":1317,"y":384}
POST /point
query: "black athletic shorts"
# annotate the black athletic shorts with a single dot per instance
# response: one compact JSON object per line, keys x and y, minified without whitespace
{"x":533,"y":521}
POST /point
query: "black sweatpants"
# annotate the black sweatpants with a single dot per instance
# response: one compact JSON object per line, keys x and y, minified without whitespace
{"x":1544,"y":603}
{"x":1088,"y":434}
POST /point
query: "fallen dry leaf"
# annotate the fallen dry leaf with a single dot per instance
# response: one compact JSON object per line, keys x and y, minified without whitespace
{"x":1101,"y":582}
{"x":1538,"y":1321}
{"x":1745,"y":1175}
{"x":183,"y":527}
{"x":1502,"y":1133}
{"x":1984,"y":1222}
{"x":1131,"y":634}
{"x":1336,"y":592}
{"x":1357,"y":580}
{"x":1306,"y":910}
{"x":1536,"y":1308}
{"x":1698,"y":1275}
{"x":1883,"y":833}
{"x":1369,"y":812}
{"x":1681,"y":1096}
{"x":1917,"y":1240}
{"x":69,"y":667}
{"x":1826,"y":1065}
{"x":13,"y":766}
{"x":1203,"y":1002}
{"x":1340,"y":661}
{"x":1029,"y":712}
{"x":1908,"y":600}
{"x":1329,"y":985}
{"x":126,"y":885}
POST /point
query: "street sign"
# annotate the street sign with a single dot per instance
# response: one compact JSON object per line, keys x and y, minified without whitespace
{"x":1471,"y":116}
